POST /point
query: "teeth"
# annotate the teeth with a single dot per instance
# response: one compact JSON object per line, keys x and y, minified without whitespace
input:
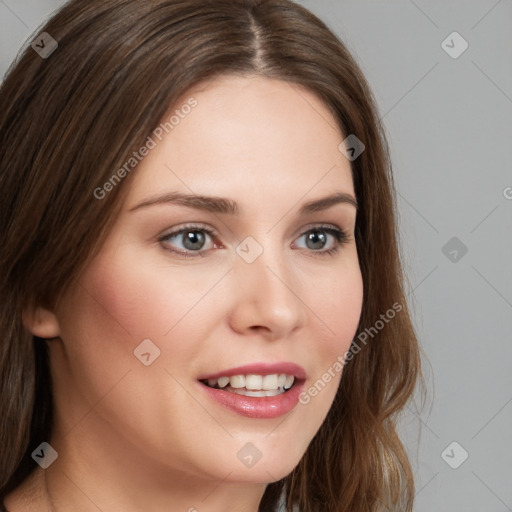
{"x":270,"y":382}
{"x":237,"y":381}
{"x":255,"y":385}
{"x":254,"y":382}
{"x":223,"y":382}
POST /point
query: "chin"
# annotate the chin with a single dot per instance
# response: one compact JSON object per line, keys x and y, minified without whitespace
{"x":266,"y":464}
{"x":262,"y":474}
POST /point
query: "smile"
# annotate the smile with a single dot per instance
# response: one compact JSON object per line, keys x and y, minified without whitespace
{"x":253,"y":385}
{"x":261,"y":390}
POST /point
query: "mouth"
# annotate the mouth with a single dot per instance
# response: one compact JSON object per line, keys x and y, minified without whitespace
{"x":258,"y":390}
{"x":253,"y":384}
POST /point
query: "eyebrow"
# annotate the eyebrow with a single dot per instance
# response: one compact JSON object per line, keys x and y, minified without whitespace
{"x":229,"y":207}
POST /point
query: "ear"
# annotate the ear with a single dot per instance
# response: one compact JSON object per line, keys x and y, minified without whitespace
{"x":41,"y":322}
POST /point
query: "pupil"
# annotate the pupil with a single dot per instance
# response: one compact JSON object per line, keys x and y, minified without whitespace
{"x":194,"y":240}
{"x":317,"y":238}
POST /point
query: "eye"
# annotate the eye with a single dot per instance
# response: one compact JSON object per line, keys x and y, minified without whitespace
{"x":190,"y":241}
{"x":191,"y":238}
{"x":317,"y":238}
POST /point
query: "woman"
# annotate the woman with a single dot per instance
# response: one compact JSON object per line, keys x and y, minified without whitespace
{"x":202,"y":299}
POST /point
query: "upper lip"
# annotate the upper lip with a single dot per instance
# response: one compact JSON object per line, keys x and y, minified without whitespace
{"x":260,"y":369}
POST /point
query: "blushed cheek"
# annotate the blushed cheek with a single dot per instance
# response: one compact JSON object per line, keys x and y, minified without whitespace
{"x":128,"y":302}
{"x":118,"y":300}
{"x":150,"y":302}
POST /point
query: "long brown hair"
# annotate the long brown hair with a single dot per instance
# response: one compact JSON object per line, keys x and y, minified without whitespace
{"x":68,"y":121}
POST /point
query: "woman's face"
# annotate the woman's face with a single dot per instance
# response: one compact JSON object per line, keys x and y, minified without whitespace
{"x":157,"y":313}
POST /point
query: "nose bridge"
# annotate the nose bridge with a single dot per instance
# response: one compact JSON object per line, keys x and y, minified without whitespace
{"x":267,"y":291}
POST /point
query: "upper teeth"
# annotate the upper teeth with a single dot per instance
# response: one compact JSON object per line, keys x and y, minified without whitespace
{"x":255,"y":382}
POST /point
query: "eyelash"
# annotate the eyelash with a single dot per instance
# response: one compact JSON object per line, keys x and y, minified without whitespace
{"x":339,"y":235}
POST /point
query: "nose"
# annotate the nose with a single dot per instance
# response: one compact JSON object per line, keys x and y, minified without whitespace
{"x":267,"y":297}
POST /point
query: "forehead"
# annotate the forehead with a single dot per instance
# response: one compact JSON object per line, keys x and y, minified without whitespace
{"x":245,"y":136}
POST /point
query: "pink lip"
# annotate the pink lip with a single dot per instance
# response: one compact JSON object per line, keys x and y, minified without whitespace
{"x":260,"y":369}
{"x":266,"y":407}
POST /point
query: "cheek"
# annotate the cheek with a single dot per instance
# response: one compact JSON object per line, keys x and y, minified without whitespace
{"x":122,"y":301}
{"x":338,"y":305}
{"x":106,"y":316}
{"x":142,"y":300}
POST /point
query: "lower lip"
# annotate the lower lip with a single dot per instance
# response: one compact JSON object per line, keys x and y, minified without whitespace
{"x":256,"y":407}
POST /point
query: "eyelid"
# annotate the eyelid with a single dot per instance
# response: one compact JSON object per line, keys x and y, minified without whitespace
{"x":190,"y":227}
{"x":320,"y":225}
{"x":345,"y":234}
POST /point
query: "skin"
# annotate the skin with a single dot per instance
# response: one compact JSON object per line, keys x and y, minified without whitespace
{"x":130,"y":435}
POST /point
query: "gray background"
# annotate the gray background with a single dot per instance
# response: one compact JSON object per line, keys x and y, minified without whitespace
{"x":448,"y":121}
